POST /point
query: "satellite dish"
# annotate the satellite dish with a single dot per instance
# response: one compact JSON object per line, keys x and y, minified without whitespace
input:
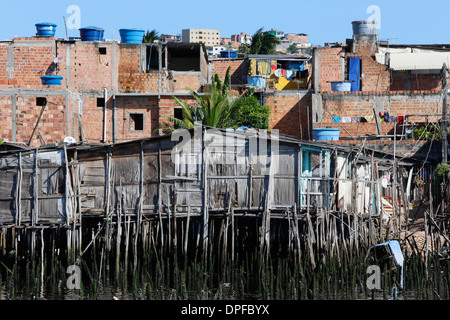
{"x":58,"y":59}
{"x":70,"y":140}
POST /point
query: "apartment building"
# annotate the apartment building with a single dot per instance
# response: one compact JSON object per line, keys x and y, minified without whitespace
{"x":208,"y":37}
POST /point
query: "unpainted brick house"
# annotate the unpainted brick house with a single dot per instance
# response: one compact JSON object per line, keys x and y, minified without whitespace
{"x":387,"y":97}
{"x":110,"y":92}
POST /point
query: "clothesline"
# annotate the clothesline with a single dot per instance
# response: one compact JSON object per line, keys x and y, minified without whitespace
{"x":383,"y":118}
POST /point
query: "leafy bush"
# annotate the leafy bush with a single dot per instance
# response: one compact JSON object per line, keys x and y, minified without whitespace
{"x":441,"y":173}
{"x":251,"y":114}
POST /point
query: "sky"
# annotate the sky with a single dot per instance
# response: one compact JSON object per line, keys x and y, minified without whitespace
{"x":400,"y":21}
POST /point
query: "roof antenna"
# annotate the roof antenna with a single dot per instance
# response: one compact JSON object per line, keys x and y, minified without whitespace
{"x":65,"y":26}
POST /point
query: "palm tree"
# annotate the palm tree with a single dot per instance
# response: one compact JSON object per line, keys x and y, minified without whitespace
{"x":263,"y":43}
{"x":216,"y":109}
{"x":150,"y":36}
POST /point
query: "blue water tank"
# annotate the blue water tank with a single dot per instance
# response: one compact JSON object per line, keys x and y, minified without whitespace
{"x":326,"y":134}
{"x":51,"y":80}
{"x":91,"y":34}
{"x":131,"y":35}
{"x":228,"y":54}
{"x":341,"y":85}
{"x":45,"y":29}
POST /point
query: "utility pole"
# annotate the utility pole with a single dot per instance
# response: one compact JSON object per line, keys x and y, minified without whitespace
{"x":444,"y":114}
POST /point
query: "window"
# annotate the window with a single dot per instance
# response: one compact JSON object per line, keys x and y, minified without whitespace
{"x":102,"y":50}
{"x":178,"y":114}
{"x":41,"y":101}
{"x":136,"y":121}
{"x":100,"y":102}
{"x":152,"y":62}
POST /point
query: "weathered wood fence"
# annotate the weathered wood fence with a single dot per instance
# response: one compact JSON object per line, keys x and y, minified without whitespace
{"x":203,"y":192}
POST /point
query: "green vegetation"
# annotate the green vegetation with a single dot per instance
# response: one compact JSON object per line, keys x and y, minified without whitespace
{"x":219,"y":109}
{"x":150,"y":36}
{"x":250,"y":113}
{"x":428,"y":133}
{"x":441,"y":173}
{"x":292,"y":48}
{"x":263,"y":43}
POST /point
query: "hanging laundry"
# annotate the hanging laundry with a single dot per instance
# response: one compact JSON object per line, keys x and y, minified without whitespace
{"x":400,"y":119}
{"x":290,"y":74}
{"x":386,"y":116}
{"x":369,"y":118}
{"x":393,"y":119}
{"x":336,"y":119}
{"x":362,"y":119}
{"x":346,"y":119}
{"x":356,"y":119}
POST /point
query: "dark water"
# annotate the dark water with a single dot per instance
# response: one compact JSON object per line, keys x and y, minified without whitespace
{"x":233,"y":284}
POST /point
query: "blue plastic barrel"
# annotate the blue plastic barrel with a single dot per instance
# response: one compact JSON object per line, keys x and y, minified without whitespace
{"x":51,"y":80}
{"x":228,"y":54}
{"x":326,"y":134}
{"x":45,"y":29}
{"x":341,"y":85}
{"x":91,"y":34}
{"x":131,"y":35}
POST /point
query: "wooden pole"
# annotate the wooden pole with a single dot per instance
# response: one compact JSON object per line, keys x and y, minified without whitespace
{"x":35,"y":214}
{"x":205,"y":193}
{"x":139,"y":209}
{"x":444,"y":114}
{"x":160,"y":202}
{"x":19,"y":190}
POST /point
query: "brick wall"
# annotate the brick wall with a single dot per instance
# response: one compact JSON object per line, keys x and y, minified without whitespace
{"x":374,"y":76}
{"x":147,"y":106}
{"x":52,"y":126}
{"x":29,"y":60}
{"x":91,"y":70}
{"x":238,"y":69}
{"x":407,"y":81}
{"x":6,"y":118}
{"x":286,"y":108}
{"x":359,"y":104}
{"x":329,"y":67}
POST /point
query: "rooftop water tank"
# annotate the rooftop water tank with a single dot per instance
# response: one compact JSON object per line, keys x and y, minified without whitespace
{"x":131,"y":35}
{"x":45,"y":29}
{"x":228,"y":54}
{"x":326,"y":134}
{"x":51,"y":80}
{"x":366,"y":26}
{"x":91,"y":34}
